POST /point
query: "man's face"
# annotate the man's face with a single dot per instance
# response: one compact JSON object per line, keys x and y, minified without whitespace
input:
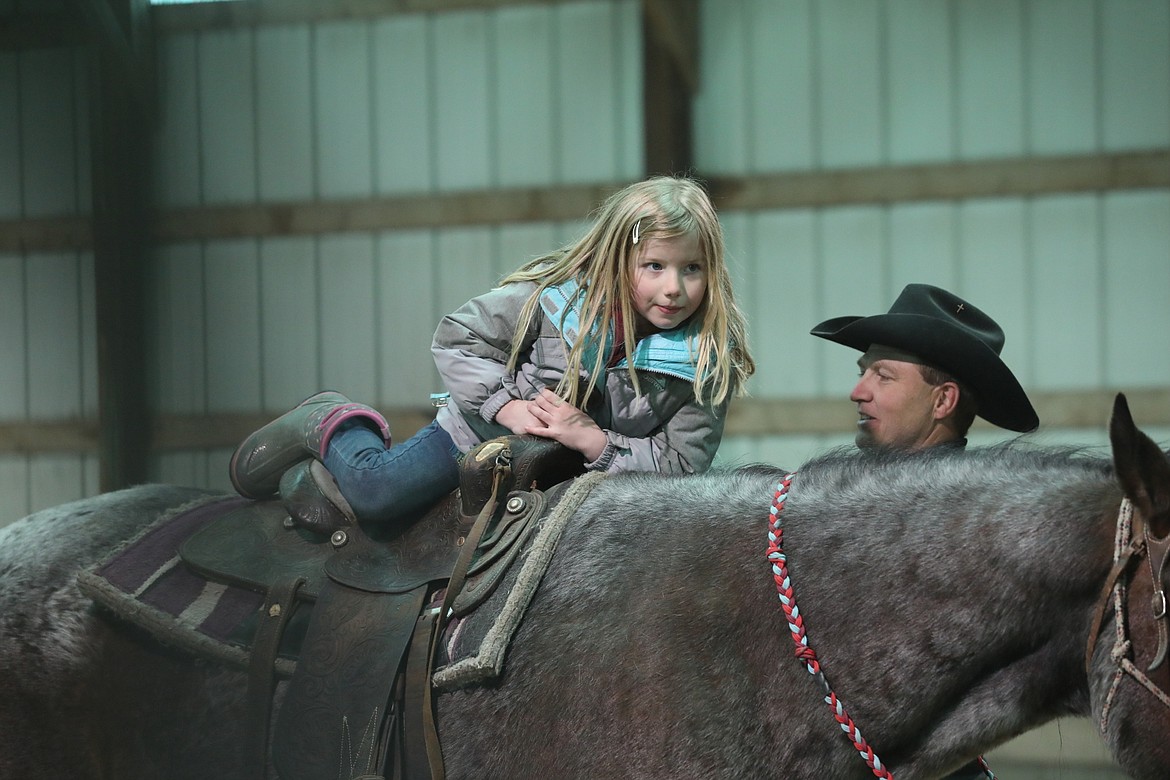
{"x":895,"y":405}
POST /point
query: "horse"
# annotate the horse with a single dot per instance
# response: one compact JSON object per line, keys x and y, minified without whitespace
{"x":941,"y":603}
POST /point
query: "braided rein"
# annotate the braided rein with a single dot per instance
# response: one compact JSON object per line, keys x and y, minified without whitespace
{"x":804,"y":651}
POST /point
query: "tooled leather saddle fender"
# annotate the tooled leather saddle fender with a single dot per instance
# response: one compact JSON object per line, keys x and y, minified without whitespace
{"x":344,"y":611}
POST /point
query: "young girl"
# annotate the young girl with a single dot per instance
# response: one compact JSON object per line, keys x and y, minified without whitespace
{"x":625,"y":346}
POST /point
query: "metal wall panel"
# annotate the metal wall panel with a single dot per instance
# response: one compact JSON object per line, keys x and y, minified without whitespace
{"x":920,"y":100}
{"x":47,"y":346}
{"x":284,"y":113}
{"x":349,"y":324}
{"x":1135,"y":73}
{"x":989,"y":78}
{"x":848,"y":72}
{"x":291,"y":286}
{"x":227,"y":133}
{"x":343,"y":109}
{"x":404,"y":98}
{"x":178,"y":179}
{"x":524,"y":95}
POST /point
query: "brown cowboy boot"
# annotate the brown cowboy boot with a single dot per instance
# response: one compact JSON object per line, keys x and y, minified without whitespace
{"x":303,"y":432}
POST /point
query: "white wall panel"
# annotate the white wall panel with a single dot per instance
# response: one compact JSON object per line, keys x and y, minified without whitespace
{"x":852,"y":241}
{"x":994,"y":274}
{"x":780,"y":299}
{"x":290,"y":313}
{"x":1137,"y":289}
{"x":56,"y":479}
{"x":631,"y":152}
{"x":922,"y":245}
{"x":13,"y":339}
{"x":1135,"y":73}
{"x":404,"y":97}
{"x":908,"y":81}
{"x":180,"y":468}
{"x":593,"y":70}
{"x":1061,"y":87}
{"x":232,"y":325}
{"x":465,"y":266}
{"x":343,"y":111}
{"x":523,"y":95}
{"x":54,"y":336}
{"x":284,"y":128}
{"x":989,"y":84}
{"x":1065,"y":250}
{"x":177,"y":151}
{"x":849,"y":81}
{"x":227,"y":116}
{"x":921,"y":86}
{"x":14,"y":503}
{"x":781,"y":117}
{"x":179,"y":364}
{"x":721,"y":107}
{"x":517,"y":244}
{"x":350,"y":328}
{"x":464,"y":132}
{"x":48,"y":133}
{"x":408,"y":317}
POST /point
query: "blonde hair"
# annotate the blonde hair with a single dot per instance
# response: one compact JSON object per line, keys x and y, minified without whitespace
{"x":602,"y":263}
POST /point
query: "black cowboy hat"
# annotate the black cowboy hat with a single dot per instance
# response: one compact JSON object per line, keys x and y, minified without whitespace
{"x":950,"y":334}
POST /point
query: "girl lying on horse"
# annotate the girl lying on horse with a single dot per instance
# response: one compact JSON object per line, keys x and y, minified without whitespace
{"x":625,"y":346}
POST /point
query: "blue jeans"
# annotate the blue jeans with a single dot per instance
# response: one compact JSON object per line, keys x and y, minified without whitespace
{"x":397,"y":483}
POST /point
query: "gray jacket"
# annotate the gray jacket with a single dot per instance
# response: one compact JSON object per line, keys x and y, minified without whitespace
{"x":665,"y":429}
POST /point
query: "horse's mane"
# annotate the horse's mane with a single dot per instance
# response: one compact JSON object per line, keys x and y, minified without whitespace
{"x":1011,"y":471}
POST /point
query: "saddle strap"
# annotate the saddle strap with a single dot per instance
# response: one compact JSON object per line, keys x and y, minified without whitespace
{"x":430,"y":731}
{"x":278,"y":608}
{"x":336,"y":707}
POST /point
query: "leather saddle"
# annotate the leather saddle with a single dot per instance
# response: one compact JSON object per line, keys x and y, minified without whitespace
{"x":354,"y":613}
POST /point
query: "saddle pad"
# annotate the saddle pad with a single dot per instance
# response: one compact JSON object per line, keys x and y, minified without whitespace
{"x":146,"y":584}
{"x":474,"y":646}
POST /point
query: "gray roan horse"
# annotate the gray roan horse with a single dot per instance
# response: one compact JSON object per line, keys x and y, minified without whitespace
{"x":950,"y":599}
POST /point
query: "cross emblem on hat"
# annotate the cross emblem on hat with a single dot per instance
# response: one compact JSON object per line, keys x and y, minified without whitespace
{"x":959,"y":308}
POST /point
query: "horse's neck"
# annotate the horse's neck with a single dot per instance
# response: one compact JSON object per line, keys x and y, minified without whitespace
{"x":952,"y":618}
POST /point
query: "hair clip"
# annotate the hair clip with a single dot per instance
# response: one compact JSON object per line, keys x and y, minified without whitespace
{"x":637,"y":231}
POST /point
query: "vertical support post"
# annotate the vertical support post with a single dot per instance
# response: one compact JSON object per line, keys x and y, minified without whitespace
{"x":670,"y":80}
{"x":120,"y":122}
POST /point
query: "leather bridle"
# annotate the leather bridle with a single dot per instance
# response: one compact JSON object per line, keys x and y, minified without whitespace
{"x":1137,"y":591}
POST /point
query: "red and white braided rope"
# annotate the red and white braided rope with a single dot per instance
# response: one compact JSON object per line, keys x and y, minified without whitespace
{"x":804,"y":651}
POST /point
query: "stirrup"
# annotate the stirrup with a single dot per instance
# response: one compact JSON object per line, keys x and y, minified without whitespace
{"x":313,"y":500}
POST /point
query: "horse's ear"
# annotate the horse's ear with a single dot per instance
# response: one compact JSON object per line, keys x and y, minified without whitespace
{"x":1142,"y":468}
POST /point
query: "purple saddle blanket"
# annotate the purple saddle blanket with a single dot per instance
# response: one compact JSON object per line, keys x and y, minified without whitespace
{"x":147,"y":584}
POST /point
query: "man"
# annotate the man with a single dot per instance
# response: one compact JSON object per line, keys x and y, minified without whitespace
{"x":929,"y":366}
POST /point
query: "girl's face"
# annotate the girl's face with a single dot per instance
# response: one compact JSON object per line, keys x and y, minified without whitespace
{"x":670,"y":280}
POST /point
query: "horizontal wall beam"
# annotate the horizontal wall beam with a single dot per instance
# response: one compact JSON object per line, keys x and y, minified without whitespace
{"x":1022,"y":177}
{"x":993,"y":178}
{"x":54,"y":29}
{"x":1087,"y":409}
{"x":206,"y":16}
